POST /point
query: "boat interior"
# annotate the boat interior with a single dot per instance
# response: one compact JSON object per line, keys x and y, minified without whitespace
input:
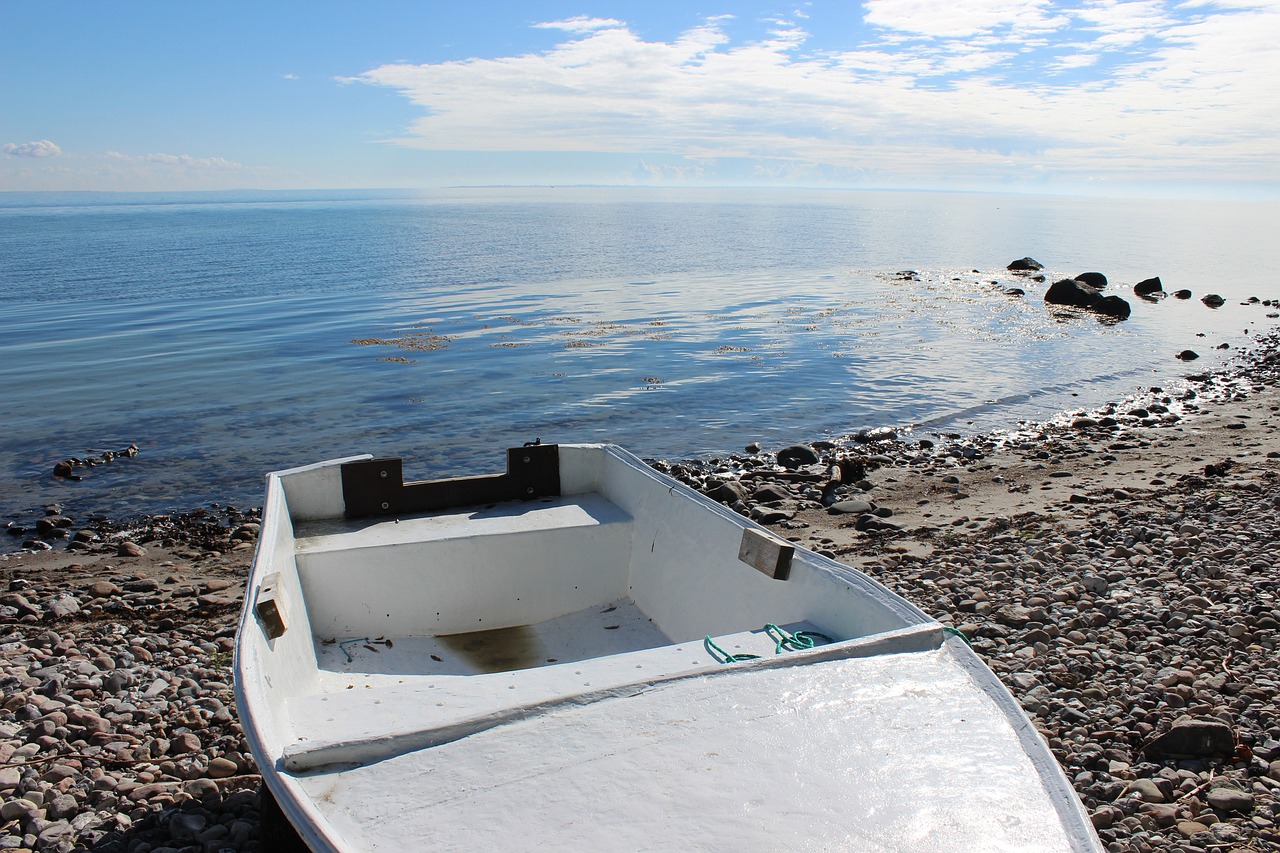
{"x":626,"y":578}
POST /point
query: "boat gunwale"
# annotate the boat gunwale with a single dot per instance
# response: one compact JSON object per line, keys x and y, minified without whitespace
{"x":304,"y":757}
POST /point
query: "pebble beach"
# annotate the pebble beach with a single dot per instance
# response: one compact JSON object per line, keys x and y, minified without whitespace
{"x":1117,"y":568}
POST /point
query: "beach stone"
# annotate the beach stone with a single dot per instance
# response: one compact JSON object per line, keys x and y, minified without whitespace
{"x":770,"y":493}
{"x":130,"y":549}
{"x":1182,"y":294}
{"x":1025,"y":265}
{"x":63,"y":806}
{"x":1147,"y":790}
{"x":1230,"y":800}
{"x":1193,"y":738}
{"x":797,"y":456}
{"x":728,"y":492}
{"x":181,"y":744}
{"x":221,"y":768}
{"x":57,"y":773}
{"x":55,"y":833}
{"x":21,"y":810}
{"x":1093,"y":279}
{"x":1213,"y":300}
{"x":198,"y":789}
{"x":142,"y":585}
{"x":62,"y":607}
{"x":21,"y":605}
{"x":103,"y":589}
{"x":851,"y":506}
{"x":1188,"y":355}
{"x":52,"y":523}
{"x":772,"y":516}
{"x":1164,"y":814}
{"x":1013,"y":615}
{"x":1094,"y":584}
{"x":868,"y":523}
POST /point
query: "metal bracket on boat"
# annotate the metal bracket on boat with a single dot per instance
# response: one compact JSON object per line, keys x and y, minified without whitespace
{"x":377,"y":486}
{"x":767,"y":553}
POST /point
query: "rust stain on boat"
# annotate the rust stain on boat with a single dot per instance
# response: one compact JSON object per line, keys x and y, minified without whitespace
{"x":497,"y":650}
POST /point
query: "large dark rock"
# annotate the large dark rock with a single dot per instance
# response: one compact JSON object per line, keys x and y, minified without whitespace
{"x":1113,"y":306}
{"x":870,"y":436}
{"x":1079,"y":294}
{"x":1213,"y":300}
{"x":1073,"y":293}
{"x":797,"y":456}
{"x":1149,"y":286}
{"x":1193,"y":738}
{"x":1025,"y":265}
{"x":729,"y":492}
{"x":769,"y":493}
{"x":1093,"y":279}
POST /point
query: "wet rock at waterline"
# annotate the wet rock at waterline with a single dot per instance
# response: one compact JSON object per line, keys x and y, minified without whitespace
{"x":1093,"y":279}
{"x":796,"y":456}
{"x":1149,"y":287}
{"x":1074,"y":293}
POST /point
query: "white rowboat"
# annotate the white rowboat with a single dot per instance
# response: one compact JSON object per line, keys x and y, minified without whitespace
{"x":538,"y":660}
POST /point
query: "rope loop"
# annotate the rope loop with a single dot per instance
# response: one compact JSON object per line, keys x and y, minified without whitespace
{"x":800,"y":640}
{"x":721,"y":656}
{"x":783,"y":640}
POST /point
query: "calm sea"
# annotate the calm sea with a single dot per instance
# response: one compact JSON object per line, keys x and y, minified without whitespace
{"x":232,"y":334}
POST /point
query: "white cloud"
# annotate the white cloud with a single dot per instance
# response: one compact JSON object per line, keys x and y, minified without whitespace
{"x":1075,"y":60}
{"x":580,"y":24}
{"x":959,"y":18}
{"x":649,"y":172}
{"x":113,"y":170}
{"x":972,"y":91}
{"x":182,"y":160}
{"x":1124,"y":22}
{"x":39,"y":148}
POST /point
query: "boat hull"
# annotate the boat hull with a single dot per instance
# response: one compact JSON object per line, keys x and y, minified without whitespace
{"x":561,"y":672}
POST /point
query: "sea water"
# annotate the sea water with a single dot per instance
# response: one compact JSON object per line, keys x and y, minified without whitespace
{"x":230,"y":334}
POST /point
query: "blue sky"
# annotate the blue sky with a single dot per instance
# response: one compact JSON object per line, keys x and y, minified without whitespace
{"x":1110,"y":97}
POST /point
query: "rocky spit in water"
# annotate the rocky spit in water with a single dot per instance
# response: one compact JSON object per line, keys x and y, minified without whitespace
{"x":1117,"y":569}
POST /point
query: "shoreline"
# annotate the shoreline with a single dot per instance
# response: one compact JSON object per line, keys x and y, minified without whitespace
{"x":1116,"y":576}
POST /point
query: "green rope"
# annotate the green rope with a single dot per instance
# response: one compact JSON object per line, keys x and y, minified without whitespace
{"x":947,"y":629}
{"x":785,"y":642}
{"x":721,"y":655}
